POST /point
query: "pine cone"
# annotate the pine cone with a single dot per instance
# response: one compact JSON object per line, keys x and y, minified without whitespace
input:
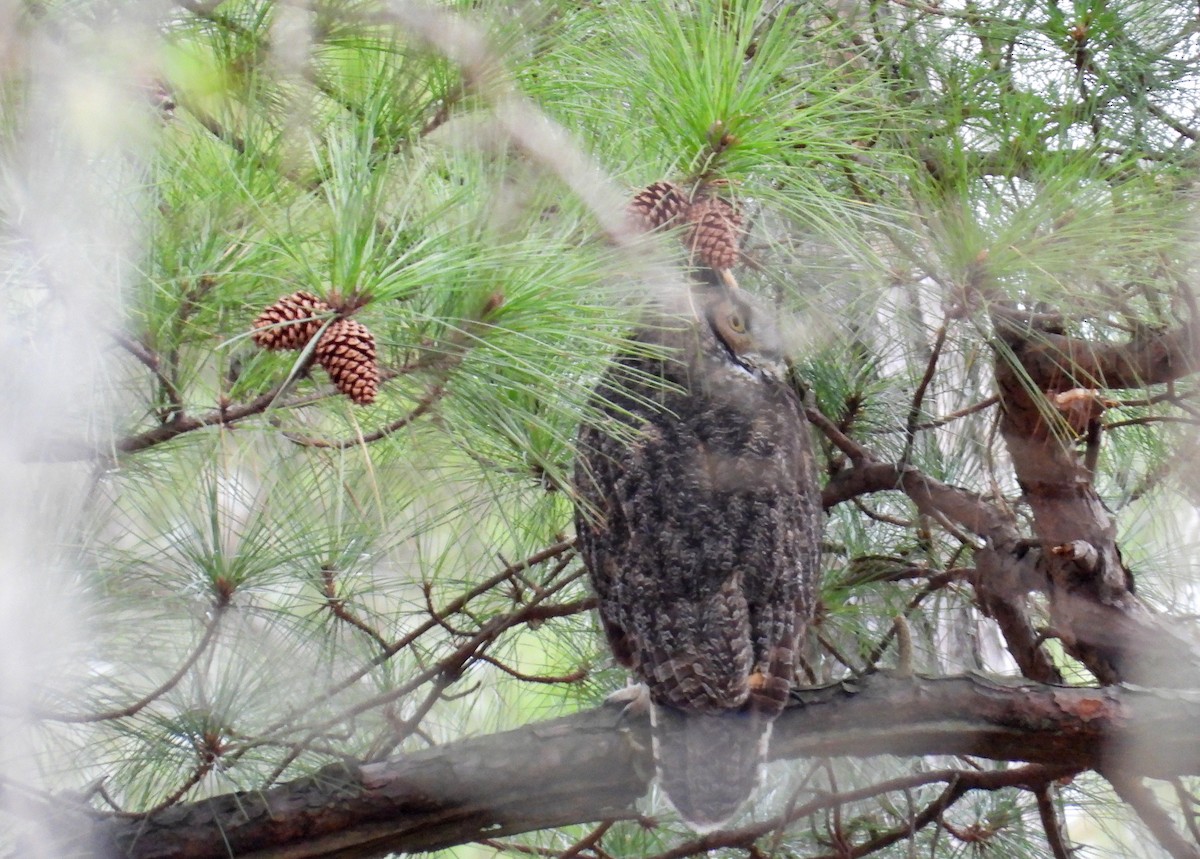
{"x":716,"y":233}
{"x":289,"y":323}
{"x":658,"y":205}
{"x":347,"y":352}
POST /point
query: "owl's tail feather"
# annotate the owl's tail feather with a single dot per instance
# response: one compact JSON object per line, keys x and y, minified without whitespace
{"x":708,"y":763}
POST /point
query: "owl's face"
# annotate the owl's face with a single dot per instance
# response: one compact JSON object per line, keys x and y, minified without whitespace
{"x":747,"y":333}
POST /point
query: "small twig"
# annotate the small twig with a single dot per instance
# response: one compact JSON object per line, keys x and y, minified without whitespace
{"x":936,"y":583}
{"x":573,"y":677}
{"x":439,"y":118}
{"x":539,"y":613}
{"x":449,"y":668}
{"x":953,"y":530}
{"x":108,"y":799}
{"x":872,"y":569}
{"x":152,"y":362}
{"x":837,"y":833}
{"x":959,"y":413}
{"x":1171,"y":395}
{"x":1151,"y":419}
{"x":560,"y":548}
{"x":939,"y":11}
{"x":587,"y":842}
{"x":427,"y":592}
{"x":521,"y":849}
{"x":402,"y":729}
{"x":462,"y":694}
{"x":832,"y":648}
{"x":929,"y":814}
{"x":1187,"y":805}
{"x":1164,"y":117}
{"x":1055,"y":835}
{"x":424,"y":404}
{"x":806,"y":667}
{"x":857,"y":453}
{"x":914,"y":409}
{"x":210,"y":630}
{"x":194,"y":779}
{"x":337,"y":608}
{"x":861,"y":505}
{"x":556,"y":570}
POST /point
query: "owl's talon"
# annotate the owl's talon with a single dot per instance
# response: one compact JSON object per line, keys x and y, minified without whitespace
{"x":634,"y":700}
{"x":635,"y":704}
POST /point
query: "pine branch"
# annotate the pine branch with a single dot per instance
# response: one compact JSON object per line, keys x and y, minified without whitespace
{"x":592,"y":766}
{"x":217,"y":611}
{"x":1092,"y":605}
{"x":1057,"y":362}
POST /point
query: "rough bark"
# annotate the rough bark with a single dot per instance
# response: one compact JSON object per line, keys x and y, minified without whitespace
{"x":594,"y":765}
{"x":1092,"y":604}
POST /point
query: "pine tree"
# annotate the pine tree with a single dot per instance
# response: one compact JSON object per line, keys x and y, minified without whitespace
{"x":303,"y":309}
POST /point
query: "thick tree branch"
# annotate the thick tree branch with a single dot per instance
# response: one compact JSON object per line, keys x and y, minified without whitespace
{"x":958,"y":782}
{"x":1092,"y":605}
{"x":1058,"y":362}
{"x":593,"y":766}
{"x":932,"y":497}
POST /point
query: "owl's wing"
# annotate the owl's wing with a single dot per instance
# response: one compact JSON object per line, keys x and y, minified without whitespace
{"x":646,"y":524}
{"x":774,"y":519}
{"x":601,"y":528}
{"x":696,"y":548}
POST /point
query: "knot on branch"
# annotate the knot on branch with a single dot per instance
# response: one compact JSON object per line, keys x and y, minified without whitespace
{"x":1080,"y":408}
{"x":1080,"y":552}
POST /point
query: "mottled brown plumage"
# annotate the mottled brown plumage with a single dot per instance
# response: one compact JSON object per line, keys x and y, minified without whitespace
{"x":699,"y":519}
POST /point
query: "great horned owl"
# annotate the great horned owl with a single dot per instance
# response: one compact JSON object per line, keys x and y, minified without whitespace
{"x":699,"y":519}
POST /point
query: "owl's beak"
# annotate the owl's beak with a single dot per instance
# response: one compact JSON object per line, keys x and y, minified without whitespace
{"x":777,"y":370}
{"x":771,"y":368}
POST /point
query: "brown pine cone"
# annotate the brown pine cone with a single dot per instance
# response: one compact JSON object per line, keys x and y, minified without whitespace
{"x":658,"y":205}
{"x":347,"y":352}
{"x":716,"y":233}
{"x":290,"y":322}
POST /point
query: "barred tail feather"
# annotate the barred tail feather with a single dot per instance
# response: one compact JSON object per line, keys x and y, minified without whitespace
{"x":708,"y":763}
